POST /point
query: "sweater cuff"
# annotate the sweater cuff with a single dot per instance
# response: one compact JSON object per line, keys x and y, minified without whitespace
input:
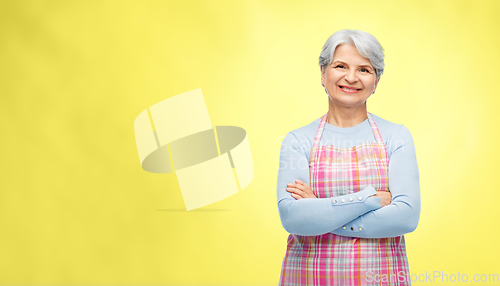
{"x":358,"y":198}
{"x":353,"y":228}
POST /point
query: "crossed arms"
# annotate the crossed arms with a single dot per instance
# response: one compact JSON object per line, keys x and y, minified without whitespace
{"x":361,"y":217}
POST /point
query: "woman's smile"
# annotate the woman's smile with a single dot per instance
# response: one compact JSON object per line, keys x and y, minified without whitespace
{"x":350,"y":78}
{"x":349,"y":89}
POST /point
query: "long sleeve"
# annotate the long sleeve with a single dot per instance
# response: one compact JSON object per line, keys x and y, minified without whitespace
{"x":402,"y":215}
{"x":314,"y":216}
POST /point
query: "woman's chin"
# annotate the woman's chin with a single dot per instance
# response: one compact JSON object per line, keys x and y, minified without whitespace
{"x":349,"y":101}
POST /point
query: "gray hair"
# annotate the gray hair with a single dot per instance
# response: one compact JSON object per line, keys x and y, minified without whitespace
{"x":366,"y":44}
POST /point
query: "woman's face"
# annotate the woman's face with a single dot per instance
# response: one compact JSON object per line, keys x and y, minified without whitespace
{"x":350,"y":78}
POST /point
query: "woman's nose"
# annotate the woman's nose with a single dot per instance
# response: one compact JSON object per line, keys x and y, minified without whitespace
{"x":350,"y":76}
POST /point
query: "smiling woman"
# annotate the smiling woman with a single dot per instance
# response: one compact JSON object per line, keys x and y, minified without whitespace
{"x":345,"y":217}
{"x":350,"y":78}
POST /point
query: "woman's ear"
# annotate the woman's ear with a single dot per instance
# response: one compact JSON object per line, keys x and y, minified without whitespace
{"x":322,"y":76}
{"x":376,"y":84}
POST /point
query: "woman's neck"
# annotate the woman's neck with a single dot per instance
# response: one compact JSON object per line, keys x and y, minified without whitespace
{"x":345,"y":117}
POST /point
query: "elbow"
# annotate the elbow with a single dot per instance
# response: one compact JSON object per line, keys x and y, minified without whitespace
{"x":412,"y":223}
{"x":292,"y":221}
{"x":411,"y":227}
{"x":290,"y":225}
{"x":286,"y":217}
{"x":410,"y":214}
{"x":415,"y":217}
{"x":285,"y":221}
{"x":297,"y":219}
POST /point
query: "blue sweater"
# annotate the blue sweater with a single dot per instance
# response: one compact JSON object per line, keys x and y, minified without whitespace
{"x":363,"y":216}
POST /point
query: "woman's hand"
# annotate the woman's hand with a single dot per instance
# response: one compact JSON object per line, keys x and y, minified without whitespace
{"x":300,"y":190}
{"x":386,"y":198}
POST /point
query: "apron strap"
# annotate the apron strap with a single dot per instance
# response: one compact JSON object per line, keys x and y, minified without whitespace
{"x":375,"y":130}
{"x":319,"y":132}
{"x":380,"y":143}
{"x":317,"y":138}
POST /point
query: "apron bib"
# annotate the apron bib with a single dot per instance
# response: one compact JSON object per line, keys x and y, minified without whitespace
{"x":331,"y":259}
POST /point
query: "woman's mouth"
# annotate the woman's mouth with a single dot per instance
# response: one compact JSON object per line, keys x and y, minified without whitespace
{"x":349,"y":89}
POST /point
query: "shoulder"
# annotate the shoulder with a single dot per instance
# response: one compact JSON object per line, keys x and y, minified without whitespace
{"x":394,"y":135}
{"x":306,"y":131}
{"x":385,"y":126}
{"x":302,"y":137}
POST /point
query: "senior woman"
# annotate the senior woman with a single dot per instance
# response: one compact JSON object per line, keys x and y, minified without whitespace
{"x":348,"y":184}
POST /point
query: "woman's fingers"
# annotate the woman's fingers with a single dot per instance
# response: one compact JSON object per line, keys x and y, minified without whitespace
{"x":385,"y":198}
{"x":297,"y":186}
{"x":301,"y":185}
{"x":293,"y":186}
{"x":296,"y":191}
{"x":302,"y":189}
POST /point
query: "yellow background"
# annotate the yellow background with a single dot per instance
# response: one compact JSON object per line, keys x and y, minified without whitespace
{"x":76,"y":207}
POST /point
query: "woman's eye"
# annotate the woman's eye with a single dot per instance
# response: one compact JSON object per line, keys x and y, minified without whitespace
{"x":364,"y":70}
{"x":339,"y":66}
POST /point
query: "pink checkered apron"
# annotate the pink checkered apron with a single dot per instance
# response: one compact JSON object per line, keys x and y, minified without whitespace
{"x":331,"y":259}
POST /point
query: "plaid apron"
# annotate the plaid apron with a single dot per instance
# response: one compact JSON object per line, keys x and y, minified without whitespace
{"x":331,"y":259}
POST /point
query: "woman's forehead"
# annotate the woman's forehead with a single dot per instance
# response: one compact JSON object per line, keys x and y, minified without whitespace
{"x":348,"y":54}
